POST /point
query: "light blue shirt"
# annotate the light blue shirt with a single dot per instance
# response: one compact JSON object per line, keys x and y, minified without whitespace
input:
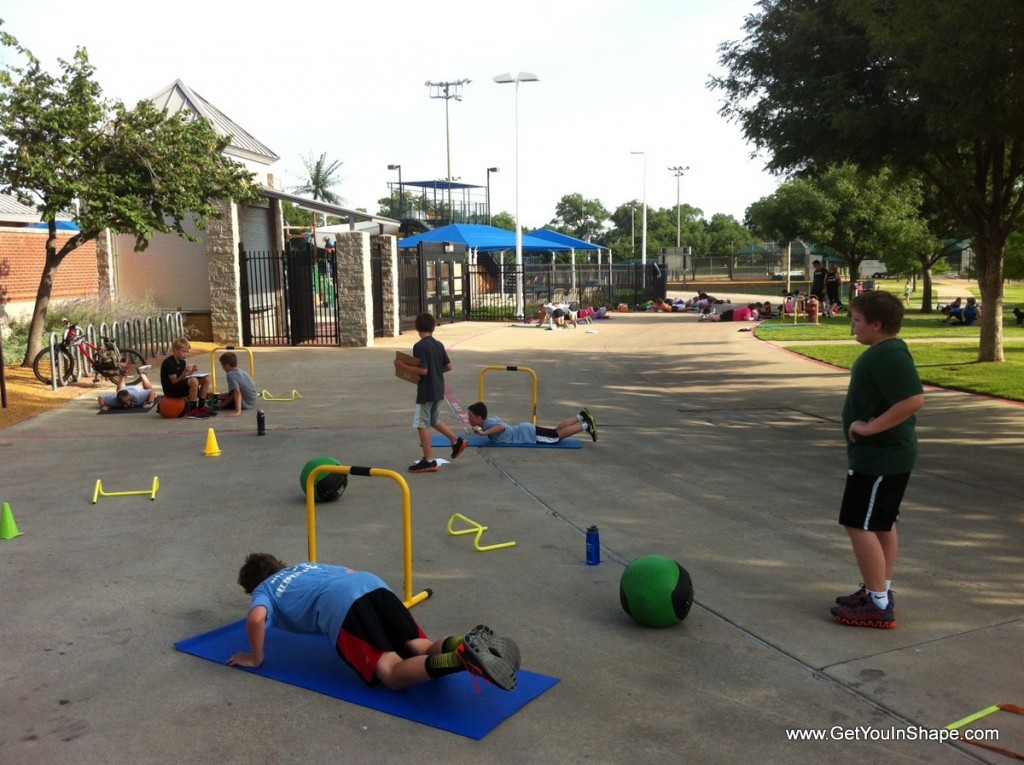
{"x":523,"y":433}
{"x":313,"y":597}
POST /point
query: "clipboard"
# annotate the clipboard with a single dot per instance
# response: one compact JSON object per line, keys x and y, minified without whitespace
{"x":403,"y":374}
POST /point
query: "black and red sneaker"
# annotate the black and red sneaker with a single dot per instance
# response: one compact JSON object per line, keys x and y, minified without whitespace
{"x":481,"y":657}
{"x":866,"y":615}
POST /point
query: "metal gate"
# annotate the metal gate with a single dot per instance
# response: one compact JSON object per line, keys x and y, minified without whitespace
{"x":289,"y":298}
{"x":432,"y":279}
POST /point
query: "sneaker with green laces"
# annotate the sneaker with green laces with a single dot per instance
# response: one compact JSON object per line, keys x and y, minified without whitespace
{"x":591,"y":423}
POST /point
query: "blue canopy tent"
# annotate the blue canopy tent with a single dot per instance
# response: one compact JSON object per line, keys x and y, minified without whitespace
{"x":572,"y":242}
{"x":482,"y":239}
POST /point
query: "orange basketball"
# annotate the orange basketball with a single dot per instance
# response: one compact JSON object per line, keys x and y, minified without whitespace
{"x":171,"y":407}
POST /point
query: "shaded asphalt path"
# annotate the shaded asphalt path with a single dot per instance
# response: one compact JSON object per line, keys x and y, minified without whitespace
{"x":716,"y":449}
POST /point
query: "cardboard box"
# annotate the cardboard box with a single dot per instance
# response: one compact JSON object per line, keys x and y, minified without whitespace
{"x":402,"y":374}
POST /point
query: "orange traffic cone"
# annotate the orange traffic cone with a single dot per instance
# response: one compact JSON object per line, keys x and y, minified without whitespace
{"x":8,"y":526}
{"x":212,"y":449}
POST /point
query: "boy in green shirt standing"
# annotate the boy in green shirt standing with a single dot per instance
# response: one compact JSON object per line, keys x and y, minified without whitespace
{"x":884,"y":395}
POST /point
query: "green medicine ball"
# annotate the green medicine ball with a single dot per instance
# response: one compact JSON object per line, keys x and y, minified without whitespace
{"x":328,"y":486}
{"x":656,"y":591}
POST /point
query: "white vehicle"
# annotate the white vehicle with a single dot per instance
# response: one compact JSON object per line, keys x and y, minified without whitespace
{"x":875,"y":269}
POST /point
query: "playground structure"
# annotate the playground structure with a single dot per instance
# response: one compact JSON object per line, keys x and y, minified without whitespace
{"x":410,"y":599}
{"x":485,"y":370}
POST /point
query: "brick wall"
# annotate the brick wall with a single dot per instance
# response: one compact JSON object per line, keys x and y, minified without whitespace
{"x":22,"y":255}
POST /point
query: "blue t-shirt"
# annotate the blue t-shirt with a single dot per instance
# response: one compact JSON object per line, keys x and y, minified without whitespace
{"x":313,"y":597}
{"x":523,"y":433}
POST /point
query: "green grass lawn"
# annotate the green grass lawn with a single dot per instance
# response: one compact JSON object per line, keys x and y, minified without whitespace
{"x":947,"y":365}
{"x":948,"y":360}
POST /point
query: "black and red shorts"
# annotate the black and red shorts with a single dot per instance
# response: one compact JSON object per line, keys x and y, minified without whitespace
{"x":377,"y":623}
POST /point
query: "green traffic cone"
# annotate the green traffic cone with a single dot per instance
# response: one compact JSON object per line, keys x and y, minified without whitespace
{"x":8,"y":526}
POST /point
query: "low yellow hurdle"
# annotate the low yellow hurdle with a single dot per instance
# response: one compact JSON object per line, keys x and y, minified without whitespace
{"x":266,"y":395}
{"x":512,"y":369}
{"x":100,"y":493}
{"x":214,"y":364}
{"x":475,"y":528}
{"x":410,"y":599}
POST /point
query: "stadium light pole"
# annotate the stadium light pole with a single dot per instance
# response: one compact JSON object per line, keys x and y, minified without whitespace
{"x":678,"y":172}
{"x":504,"y":79}
{"x":448,"y":91}
{"x":489,"y":171}
{"x":643,"y":236}
{"x":401,"y":197}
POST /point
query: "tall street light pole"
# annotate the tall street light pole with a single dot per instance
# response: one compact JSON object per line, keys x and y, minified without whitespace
{"x":489,"y":171}
{"x":401,"y":197}
{"x":678,"y":172}
{"x":448,"y":91}
{"x":504,"y":79}
{"x":643,"y":235}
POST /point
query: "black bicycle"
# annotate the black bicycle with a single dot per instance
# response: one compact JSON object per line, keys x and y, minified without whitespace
{"x":108,"y":361}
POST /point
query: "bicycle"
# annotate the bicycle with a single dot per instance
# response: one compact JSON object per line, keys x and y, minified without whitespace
{"x":107,"y":362}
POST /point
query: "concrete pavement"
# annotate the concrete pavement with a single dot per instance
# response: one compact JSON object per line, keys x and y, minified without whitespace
{"x":716,"y":449}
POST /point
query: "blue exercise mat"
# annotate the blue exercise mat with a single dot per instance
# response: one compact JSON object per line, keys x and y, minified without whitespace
{"x":436,"y":439}
{"x":450,"y":703}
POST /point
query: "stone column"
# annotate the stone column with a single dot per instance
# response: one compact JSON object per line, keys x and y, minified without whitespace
{"x":222,"y":238}
{"x":355,"y":289}
{"x":388,"y":247}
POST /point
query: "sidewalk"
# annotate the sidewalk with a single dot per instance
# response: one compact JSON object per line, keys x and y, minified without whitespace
{"x":716,"y":449}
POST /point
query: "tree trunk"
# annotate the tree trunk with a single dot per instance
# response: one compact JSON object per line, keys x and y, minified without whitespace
{"x":989,"y":259}
{"x":38,"y":324}
{"x":926,"y":285}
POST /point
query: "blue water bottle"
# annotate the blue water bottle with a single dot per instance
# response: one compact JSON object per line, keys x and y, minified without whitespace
{"x":593,"y":546}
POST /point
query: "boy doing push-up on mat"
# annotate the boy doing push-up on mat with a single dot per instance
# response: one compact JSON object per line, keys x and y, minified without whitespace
{"x":373,"y":630}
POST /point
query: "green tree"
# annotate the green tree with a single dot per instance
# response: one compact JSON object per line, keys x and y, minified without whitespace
{"x":321,"y":178}
{"x":132,"y":171}
{"x":579,"y":217}
{"x":505,"y":220}
{"x":929,"y":88}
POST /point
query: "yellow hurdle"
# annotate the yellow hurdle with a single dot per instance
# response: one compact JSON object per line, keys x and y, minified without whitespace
{"x":410,"y":599}
{"x":474,"y":527}
{"x":533,"y":416}
{"x":266,"y":395}
{"x":100,"y":493}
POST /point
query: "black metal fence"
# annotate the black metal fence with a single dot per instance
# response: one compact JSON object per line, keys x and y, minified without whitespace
{"x":289,"y":298}
{"x":491,"y":293}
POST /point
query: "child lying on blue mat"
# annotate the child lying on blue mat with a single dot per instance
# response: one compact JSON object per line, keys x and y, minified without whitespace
{"x":373,"y":630}
{"x":501,"y":432}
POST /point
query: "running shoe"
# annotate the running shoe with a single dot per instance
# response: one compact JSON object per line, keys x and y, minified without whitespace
{"x":866,"y":615}
{"x":199,"y":413}
{"x":480,"y":657}
{"x":504,"y":647}
{"x":424,"y":466}
{"x":460,"y":445}
{"x":859,"y":597}
{"x":143,"y":369}
{"x":591,"y":423}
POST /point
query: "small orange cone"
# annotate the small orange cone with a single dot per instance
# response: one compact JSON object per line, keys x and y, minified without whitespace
{"x":212,"y":449}
{"x":8,"y":526}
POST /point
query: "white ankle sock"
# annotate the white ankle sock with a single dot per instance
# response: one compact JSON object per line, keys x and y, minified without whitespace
{"x":881,"y":599}
{"x":888,"y":584}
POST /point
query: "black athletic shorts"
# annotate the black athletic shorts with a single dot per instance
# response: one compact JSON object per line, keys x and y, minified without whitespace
{"x":377,"y":623}
{"x":872,"y":502}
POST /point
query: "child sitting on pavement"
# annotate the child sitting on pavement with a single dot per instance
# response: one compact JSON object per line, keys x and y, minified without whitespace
{"x":128,"y":396}
{"x":242,"y":393}
{"x":501,"y":432}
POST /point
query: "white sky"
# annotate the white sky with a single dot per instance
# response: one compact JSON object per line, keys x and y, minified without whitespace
{"x":347,"y":78}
